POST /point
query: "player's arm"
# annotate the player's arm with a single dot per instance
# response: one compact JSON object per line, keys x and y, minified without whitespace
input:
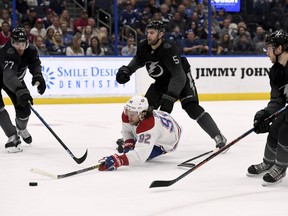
{"x":34,"y":65}
{"x":124,"y":72}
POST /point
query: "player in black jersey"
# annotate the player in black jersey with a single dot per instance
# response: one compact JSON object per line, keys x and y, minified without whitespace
{"x":173,"y":79}
{"x":275,"y":160}
{"x":16,"y":56}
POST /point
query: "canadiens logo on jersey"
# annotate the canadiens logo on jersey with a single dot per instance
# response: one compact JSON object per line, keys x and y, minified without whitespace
{"x":154,"y":69}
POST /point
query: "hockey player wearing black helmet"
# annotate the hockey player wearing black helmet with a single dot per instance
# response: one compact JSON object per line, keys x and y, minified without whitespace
{"x":173,"y":79}
{"x":15,"y":57}
{"x":275,"y":160}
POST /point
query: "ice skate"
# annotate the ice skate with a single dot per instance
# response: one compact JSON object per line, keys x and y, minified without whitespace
{"x":12,"y":144}
{"x":221,"y":142}
{"x":275,"y":176}
{"x":25,"y":135}
{"x":257,"y":169}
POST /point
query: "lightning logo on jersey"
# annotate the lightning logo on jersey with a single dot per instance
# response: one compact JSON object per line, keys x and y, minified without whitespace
{"x":154,"y":69}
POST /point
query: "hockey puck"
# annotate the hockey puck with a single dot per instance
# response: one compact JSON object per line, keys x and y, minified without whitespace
{"x":33,"y":183}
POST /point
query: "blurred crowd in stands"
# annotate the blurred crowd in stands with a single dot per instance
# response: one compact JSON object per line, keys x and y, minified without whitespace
{"x":55,"y":31}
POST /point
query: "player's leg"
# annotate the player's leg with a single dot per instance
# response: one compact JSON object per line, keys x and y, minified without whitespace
{"x":22,"y":118}
{"x":154,"y":95}
{"x":9,"y":129}
{"x":190,"y":103}
{"x":270,"y":150}
{"x":278,"y":171}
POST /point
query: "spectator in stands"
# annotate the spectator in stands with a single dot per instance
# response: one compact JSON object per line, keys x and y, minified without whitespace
{"x":92,"y":22}
{"x":31,"y":17}
{"x":27,"y":28}
{"x":243,"y":45}
{"x":5,"y":17}
{"x":201,"y":15}
{"x":94,"y":49}
{"x":57,"y":47}
{"x":225,"y":46}
{"x":128,"y":17}
{"x":56,"y":24}
{"x":259,"y":40}
{"x":64,"y":17}
{"x":38,"y":29}
{"x":5,"y":33}
{"x":67,"y":36}
{"x":140,"y":25}
{"x":7,"y":5}
{"x":47,"y":20}
{"x":22,"y":8}
{"x":58,"y":6}
{"x":225,"y":28}
{"x":175,"y":36}
{"x":192,"y":44}
{"x":86,"y":36}
{"x":75,"y":48}
{"x":48,"y":40}
{"x":105,"y":44}
{"x":205,"y":7}
{"x":185,"y":17}
{"x":40,"y":46}
{"x":189,"y":7}
{"x":166,"y":16}
{"x":220,"y":16}
{"x":177,"y":21}
{"x":242,"y":31}
{"x":81,"y":22}
{"x":130,"y":49}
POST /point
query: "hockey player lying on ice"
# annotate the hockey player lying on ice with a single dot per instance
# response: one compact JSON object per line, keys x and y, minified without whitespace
{"x":147,"y":133}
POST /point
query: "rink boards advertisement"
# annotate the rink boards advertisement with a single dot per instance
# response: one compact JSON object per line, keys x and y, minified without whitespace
{"x":77,"y":77}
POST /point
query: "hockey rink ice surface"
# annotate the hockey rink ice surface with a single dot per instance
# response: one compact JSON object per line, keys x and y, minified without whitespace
{"x":218,"y":188}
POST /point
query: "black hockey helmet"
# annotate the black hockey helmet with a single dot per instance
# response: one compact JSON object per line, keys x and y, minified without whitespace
{"x":159,"y":25}
{"x":19,"y":35}
{"x":277,"y":38}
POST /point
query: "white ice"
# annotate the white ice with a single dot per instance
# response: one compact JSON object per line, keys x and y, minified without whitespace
{"x":219,"y":187}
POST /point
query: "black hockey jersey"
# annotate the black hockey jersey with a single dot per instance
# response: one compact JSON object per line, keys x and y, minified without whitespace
{"x":13,"y":66}
{"x":279,"y":85}
{"x":163,"y":65}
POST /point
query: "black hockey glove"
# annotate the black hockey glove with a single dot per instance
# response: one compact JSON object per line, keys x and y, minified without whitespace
{"x":261,"y":126}
{"x":24,"y":98}
{"x":39,"y":80}
{"x":123,"y":75}
{"x":167,"y":103}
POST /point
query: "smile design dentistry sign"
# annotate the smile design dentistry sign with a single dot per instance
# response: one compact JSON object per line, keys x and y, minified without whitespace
{"x":83,"y":76}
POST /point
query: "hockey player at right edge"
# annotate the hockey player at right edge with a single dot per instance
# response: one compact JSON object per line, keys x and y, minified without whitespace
{"x":173,"y":79}
{"x":275,"y":160}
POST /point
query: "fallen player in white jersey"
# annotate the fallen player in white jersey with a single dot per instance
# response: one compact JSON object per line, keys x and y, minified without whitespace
{"x":147,"y":133}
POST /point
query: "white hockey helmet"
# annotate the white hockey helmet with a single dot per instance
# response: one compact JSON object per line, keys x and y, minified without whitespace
{"x":137,"y":104}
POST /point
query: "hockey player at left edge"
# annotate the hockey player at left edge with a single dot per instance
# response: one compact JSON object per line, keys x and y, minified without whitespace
{"x":16,"y":56}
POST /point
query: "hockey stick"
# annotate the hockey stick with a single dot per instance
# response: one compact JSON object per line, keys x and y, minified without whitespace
{"x":194,"y":158}
{"x":78,"y":160}
{"x":44,"y":173}
{"x":166,"y":183}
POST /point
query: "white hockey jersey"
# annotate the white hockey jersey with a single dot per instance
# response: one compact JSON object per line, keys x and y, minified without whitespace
{"x":158,"y":130}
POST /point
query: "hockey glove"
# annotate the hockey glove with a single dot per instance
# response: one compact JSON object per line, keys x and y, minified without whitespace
{"x":261,"y":126}
{"x":123,"y":75}
{"x":39,"y":80}
{"x":167,"y":103}
{"x":124,"y":147}
{"x":112,"y":162}
{"x":24,"y":98}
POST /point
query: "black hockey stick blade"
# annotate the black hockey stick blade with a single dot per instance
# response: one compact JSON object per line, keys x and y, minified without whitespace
{"x":166,"y":183}
{"x":44,"y":173}
{"x":194,"y":158}
{"x":186,"y":165}
{"x":77,"y":160}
